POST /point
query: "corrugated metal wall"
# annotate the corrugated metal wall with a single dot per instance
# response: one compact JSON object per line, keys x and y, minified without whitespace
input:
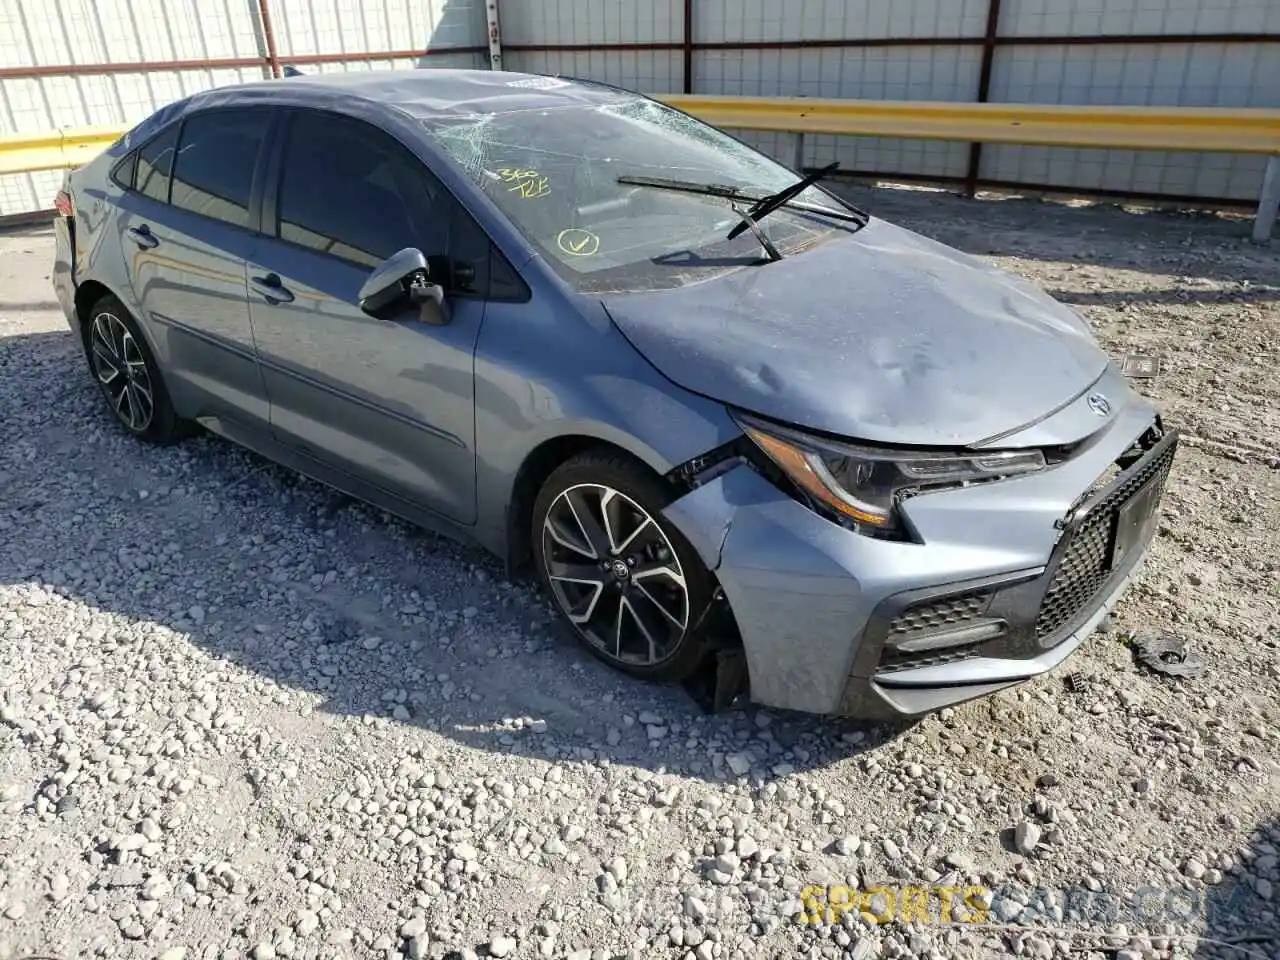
{"x":47,"y":33}
{"x":909,"y":72}
{"x":528,"y":23}
{"x":880,"y":61}
{"x":1042,"y":51}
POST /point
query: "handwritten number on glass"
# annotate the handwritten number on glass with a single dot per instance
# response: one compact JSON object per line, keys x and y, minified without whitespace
{"x":528,"y":183}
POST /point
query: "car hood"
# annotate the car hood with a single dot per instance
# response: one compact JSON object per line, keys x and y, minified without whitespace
{"x":882,"y":335}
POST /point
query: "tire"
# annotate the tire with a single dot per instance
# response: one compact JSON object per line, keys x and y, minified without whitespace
{"x":128,"y":375}
{"x":637,"y":608}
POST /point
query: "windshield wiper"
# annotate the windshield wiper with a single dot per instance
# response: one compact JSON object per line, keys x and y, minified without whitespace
{"x":760,"y":205}
{"x":766,"y":205}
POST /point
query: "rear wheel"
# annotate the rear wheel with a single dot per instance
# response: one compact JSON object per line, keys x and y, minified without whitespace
{"x":128,"y":375}
{"x":627,"y":583}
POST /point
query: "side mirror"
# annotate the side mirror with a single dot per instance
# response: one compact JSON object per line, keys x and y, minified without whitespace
{"x":404,"y":277}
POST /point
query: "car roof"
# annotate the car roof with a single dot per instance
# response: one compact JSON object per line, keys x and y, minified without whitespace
{"x":421,"y":93}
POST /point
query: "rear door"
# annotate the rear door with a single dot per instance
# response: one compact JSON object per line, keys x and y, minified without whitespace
{"x":388,"y":402}
{"x":187,"y":230}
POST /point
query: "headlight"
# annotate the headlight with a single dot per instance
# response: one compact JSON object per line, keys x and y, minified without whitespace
{"x":865,"y":484}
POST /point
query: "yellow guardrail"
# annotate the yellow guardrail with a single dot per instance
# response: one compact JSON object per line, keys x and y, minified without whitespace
{"x":1215,"y":129}
{"x":1228,"y":130}
{"x":55,"y":149}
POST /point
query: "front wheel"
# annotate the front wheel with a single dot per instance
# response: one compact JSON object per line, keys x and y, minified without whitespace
{"x":627,"y":583}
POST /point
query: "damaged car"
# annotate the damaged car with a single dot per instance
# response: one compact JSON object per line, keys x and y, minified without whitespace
{"x":730,"y":419}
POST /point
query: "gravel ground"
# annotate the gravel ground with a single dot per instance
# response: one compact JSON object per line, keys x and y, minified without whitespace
{"x":240,"y":716}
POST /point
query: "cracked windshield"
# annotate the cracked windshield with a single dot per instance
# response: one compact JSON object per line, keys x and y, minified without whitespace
{"x":554,"y":173}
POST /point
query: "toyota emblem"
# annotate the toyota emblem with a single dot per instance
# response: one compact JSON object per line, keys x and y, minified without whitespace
{"x":1099,"y":404}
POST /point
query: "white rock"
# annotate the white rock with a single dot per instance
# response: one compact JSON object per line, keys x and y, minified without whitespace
{"x":59,"y":887}
{"x":618,"y":867}
{"x":695,"y":909}
{"x":307,"y":923}
{"x":156,"y":887}
{"x":1025,"y":837}
{"x":413,"y":927}
{"x":465,"y":852}
{"x":847,"y":846}
{"x":726,"y":863}
{"x":501,"y":946}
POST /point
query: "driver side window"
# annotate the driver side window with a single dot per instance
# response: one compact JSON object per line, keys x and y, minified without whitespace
{"x":351,"y":191}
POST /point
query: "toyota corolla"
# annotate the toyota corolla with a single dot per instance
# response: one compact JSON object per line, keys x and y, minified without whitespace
{"x":728,"y":417}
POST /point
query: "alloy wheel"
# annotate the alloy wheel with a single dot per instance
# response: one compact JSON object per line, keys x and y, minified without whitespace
{"x":122,"y":372}
{"x":615,"y":574}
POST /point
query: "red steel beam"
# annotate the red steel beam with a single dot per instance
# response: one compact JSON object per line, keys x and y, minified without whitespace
{"x":588,"y":47}
{"x":269,"y":35}
{"x":852,"y":43}
{"x":366,"y":57}
{"x":144,"y":66}
{"x":223,"y":63}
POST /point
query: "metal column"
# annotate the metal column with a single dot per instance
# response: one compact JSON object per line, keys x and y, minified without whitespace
{"x":1268,"y":201}
{"x":495,"y":35}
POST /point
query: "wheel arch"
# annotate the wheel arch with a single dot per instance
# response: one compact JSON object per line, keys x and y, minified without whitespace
{"x":538,"y":464}
{"x":89,"y":292}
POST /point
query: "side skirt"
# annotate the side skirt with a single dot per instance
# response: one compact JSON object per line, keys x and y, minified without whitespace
{"x":318,"y":470}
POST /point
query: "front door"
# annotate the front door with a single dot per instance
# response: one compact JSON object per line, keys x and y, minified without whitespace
{"x":388,"y":402}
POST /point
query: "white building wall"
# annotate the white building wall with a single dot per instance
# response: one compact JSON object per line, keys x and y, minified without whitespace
{"x":34,"y":32}
{"x":1202,"y":74}
{"x":57,"y":32}
{"x":1181,"y":74}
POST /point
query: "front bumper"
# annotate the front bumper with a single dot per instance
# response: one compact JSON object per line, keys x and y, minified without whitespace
{"x":1022,"y":571}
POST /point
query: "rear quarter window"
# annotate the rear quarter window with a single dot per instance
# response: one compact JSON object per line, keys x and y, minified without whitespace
{"x":123,"y":172}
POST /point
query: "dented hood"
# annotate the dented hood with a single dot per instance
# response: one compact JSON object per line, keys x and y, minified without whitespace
{"x":883,"y":335}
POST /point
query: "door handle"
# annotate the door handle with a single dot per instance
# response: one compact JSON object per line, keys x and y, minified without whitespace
{"x":271,"y":289}
{"x":143,"y":237}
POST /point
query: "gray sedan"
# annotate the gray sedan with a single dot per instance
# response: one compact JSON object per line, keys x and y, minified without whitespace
{"x":741,"y":428}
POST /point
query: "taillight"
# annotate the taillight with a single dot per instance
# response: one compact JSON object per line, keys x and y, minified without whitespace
{"x":64,"y":204}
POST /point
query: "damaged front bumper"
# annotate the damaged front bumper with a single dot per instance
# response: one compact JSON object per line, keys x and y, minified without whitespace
{"x":1010,"y":579}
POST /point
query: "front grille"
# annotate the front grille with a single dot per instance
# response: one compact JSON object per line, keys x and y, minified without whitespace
{"x":934,"y":614}
{"x":1085,"y":563}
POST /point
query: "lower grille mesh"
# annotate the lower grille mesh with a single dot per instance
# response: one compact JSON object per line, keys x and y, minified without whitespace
{"x":934,"y":614}
{"x":929,"y":617}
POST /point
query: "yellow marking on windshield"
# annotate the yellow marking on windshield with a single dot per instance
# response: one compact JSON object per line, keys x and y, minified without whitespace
{"x":578,"y":243}
{"x":530,"y":184}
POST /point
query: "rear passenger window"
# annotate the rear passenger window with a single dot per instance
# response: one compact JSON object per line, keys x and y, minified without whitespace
{"x":351,"y":191}
{"x":155,"y":160}
{"x":213,"y":172}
